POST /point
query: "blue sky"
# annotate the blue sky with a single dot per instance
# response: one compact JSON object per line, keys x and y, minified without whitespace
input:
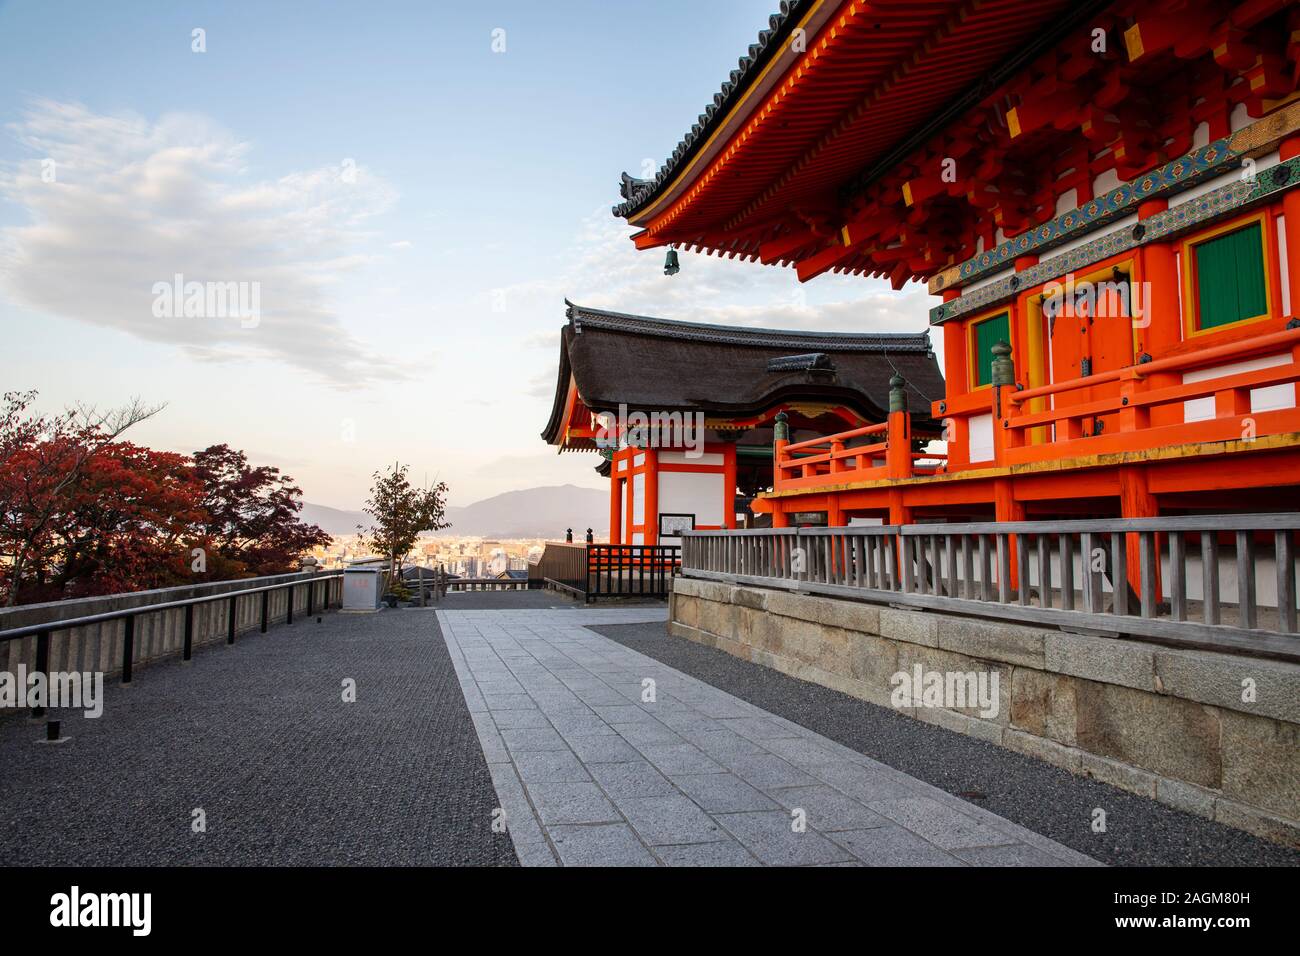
{"x":414,"y":207}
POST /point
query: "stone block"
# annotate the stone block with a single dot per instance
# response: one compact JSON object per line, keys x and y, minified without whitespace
{"x":717,"y":617}
{"x":911,"y":627}
{"x":873,"y":660}
{"x":1118,"y":774}
{"x":1172,"y":737}
{"x":944,"y":662}
{"x":992,"y":640}
{"x":1261,"y":763}
{"x":976,"y":727}
{"x":749,"y":597}
{"x":832,"y":612}
{"x":1043,"y":704}
{"x":1218,"y":679}
{"x":1250,"y":819}
{"x":1186,"y":797}
{"x":1046,"y":750}
{"x":1105,"y":659}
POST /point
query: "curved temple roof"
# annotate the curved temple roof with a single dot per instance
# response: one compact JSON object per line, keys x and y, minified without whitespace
{"x":652,"y":364}
{"x":637,"y":192}
{"x":836,"y":98}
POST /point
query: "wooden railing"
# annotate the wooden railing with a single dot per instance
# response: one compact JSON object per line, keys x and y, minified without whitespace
{"x":1141,"y":409}
{"x":1223,"y":582}
{"x":1136,"y":399}
{"x":833,"y":459}
{"x":562,"y":566}
{"x":631,"y":570}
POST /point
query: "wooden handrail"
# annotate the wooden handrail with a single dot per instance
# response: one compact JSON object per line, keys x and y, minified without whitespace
{"x":877,"y":429}
{"x":1172,"y":363}
{"x":1274,"y":375}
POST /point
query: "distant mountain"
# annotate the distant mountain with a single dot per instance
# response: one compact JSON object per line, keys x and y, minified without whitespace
{"x":534,"y":513}
{"x":332,"y":520}
{"x":529,"y":513}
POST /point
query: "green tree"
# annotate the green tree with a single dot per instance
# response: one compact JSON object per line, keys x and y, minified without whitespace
{"x":401,"y":511}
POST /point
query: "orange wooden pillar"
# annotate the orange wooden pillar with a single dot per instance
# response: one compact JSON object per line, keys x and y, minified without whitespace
{"x":1136,"y":501}
{"x":1290,"y":149}
{"x":729,"y":485}
{"x":615,"y":503}
{"x":1158,"y":327}
{"x":651,"y":496}
{"x":956,"y":375}
{"x":1005,"y":505}
{"x":780,"y":438}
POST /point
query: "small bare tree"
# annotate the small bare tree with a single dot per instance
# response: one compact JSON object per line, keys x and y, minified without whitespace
{"x":401,"y":511}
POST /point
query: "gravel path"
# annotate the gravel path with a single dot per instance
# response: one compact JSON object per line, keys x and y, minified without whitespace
{"x":1046,"y":799}
{"x":259,"y":738}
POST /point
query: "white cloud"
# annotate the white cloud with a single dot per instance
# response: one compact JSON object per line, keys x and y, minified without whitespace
{"x":135,"y":202}
{"x":608,"y":272}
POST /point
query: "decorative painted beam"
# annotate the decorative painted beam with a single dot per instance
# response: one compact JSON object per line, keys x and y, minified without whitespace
{"x":1184,"y":217}
{"x":1200,"y":164}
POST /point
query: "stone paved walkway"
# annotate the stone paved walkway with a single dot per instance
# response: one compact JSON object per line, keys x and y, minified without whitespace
{"x":589,"y":772}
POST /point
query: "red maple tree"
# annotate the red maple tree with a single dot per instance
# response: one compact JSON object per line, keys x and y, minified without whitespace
{"x":82,"y":513}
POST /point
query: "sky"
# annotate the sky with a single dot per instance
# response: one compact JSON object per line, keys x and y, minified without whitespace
{"x":412,"y":189}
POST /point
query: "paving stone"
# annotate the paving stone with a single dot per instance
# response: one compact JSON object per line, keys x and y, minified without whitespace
{"x":497,"y":687}
{"x":524,"y":739}
{"x":724,"y":708}
{"x":628,"y":780}
{"x":1015,"y":854}
{"x":758,"y":728}
{"x":723,"y":793}
{"x":610,"y":749}
{"x":581,"y":725}
{"x":769,"y":836}
{"x":893,"y":846}
{"x":679,"y":758}
{"x":725,"y":852}
{"x":550,"y":766}
{"x":649,"y":732}
{"x":767,"y":771}
{"x":861,"y":783}
{"x":536,"y":854}
{"x":941,"y":825}
{"x":623,"y":714}
{"x":516,"y":719}
{"x":610,"y":844}
{"x":828,"y":809}
{"x":559,"y":803}
{"x":724,"y":743}
{"x":497,"y":702}
{"x":670,"y":819}
{"x":801,"y":752}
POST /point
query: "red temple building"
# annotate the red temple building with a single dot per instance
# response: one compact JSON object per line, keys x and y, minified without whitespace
{"x":711,"y":398}
{"x":1104,"y":199}
{"x":1103,"y":194}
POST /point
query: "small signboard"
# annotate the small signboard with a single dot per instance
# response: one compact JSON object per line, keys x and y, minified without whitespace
{"x":671,"y":525}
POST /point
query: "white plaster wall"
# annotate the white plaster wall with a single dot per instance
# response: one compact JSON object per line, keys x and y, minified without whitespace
{"x":1266,"y":399}
{"x":981,"y":437}
{"x":690,"y":492}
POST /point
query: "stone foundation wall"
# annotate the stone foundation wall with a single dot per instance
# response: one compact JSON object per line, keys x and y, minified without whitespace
{"x":1167,"y":723}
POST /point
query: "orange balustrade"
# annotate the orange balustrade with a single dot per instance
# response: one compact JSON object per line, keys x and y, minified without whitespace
{"x":832,"y":460}
{"x":1233,"y":419}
